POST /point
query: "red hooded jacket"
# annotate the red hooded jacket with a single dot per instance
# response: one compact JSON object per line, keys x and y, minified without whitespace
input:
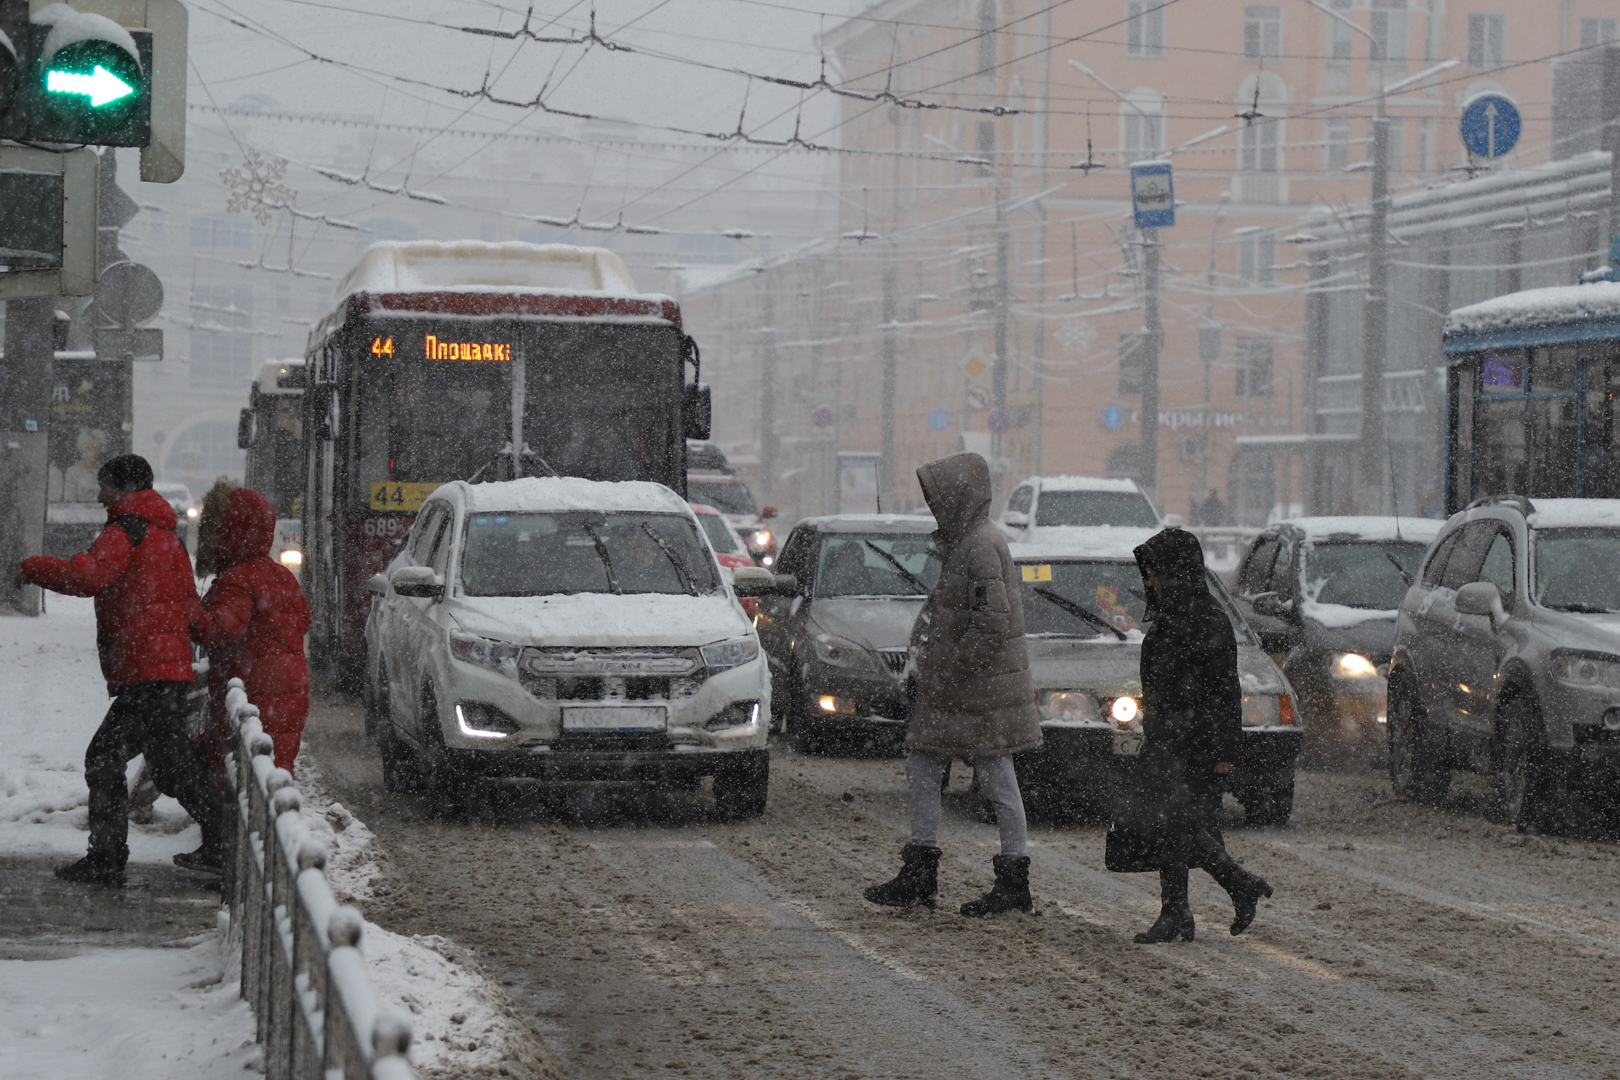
{"x":144,"y":591}
{"x":253,"y":622}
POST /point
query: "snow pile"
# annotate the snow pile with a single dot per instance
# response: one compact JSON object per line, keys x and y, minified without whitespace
{"x":134,"y":1014}
{"x":352,"y":859}
{"x":1538,"y":307}
{"x":55,"y":699}
{"x":1573,"y":513}
{"x":427,"y":265}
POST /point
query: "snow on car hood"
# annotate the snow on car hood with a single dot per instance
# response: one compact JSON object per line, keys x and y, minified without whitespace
{"x":1339,"y":616}
{"x":876,"y":623}
{"x":602,"y":619}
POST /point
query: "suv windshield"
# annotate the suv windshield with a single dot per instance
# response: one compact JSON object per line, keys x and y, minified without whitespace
{"x":864,"y":564}
{"x":1361,"y":574}
{"x":1095,"y":508}
{"x":524,"y":554}
{"x":1578,"y":569}
{"x":726,"y":496}
{"x":1103,"y":589}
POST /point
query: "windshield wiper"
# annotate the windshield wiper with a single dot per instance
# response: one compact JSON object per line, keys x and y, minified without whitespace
{"x":1078,"y":612}
{"x":669,"y":553}
{"x":1396,"y":563}
{"x":917,"y":582}
{"x":607,"y":560}
{"x":1582,"y":609}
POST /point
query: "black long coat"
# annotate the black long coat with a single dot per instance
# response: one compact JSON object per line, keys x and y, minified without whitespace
{"x":1192,"y":700}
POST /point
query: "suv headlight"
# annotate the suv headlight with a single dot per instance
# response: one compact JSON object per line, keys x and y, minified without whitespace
{"x":1354,"y":666}
{"x":730,"y":653}
{"x":1069,"y":705}
{"x":1586,"y":669}
{"x":844,"y":653}
{"x":498,"y":656}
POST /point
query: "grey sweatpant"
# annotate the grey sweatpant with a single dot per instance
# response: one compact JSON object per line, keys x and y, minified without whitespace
{"x":997,"y":781}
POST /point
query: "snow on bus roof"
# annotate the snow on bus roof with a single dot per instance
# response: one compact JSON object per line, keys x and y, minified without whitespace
{"x":443,"y":265}
{"x":546,"y":494}
{"x":1531,"y":308}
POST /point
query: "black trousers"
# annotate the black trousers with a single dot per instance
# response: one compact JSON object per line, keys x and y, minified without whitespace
{"x":149,"y":719}
{"x":1203,"y":847}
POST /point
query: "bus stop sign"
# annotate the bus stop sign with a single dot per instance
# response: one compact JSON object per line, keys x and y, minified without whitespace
{"x":1153,"y":195}
{"x":1490,"y":126}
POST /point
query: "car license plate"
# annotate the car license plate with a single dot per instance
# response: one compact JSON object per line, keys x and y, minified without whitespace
{"x":614,"y":718}
{"x":1128,"y":743}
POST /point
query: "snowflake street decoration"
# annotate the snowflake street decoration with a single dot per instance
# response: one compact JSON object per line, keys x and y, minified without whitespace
{"x":257,"y":188}
{"x":1076,"y":334}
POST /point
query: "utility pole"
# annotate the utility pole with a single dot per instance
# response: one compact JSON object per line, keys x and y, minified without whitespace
{"x":886,"y":459}
{"x":998,"y":369}
{"x":767,"y":394}
{"x":26,"y":379}
{"x":1375,"y":327}
{"x":1153,"y":333}
{"x":1611,"y":133}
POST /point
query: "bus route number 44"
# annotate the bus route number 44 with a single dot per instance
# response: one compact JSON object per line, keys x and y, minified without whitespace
{"x":382,"y":346}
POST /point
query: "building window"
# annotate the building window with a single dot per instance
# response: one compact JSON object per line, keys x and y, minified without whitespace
{"x":1595,"y":32}
{"x":1144,"y":28}
{"x":1341,"y":39}
{"x":1257,"y":264}
{"x":1336,"y":143}
{"x":1262,"y":32}
{"x":1388,"y":28}
{"x":1485,"y":41}
{"x":1254,"y":367}
{"x":1259,"y":145}
{"x":1141,"y":121}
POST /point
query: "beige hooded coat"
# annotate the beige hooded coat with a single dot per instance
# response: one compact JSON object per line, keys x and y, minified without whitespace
{"x":974,"y":695}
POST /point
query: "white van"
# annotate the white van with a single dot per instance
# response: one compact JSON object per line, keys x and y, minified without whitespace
{"x":1069,"y":509}
{"x":565,"y":629}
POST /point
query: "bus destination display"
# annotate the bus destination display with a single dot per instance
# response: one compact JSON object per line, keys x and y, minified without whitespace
{"x":434,"y":349}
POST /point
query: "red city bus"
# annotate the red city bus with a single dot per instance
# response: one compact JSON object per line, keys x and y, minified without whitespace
{"x":433,"y":356}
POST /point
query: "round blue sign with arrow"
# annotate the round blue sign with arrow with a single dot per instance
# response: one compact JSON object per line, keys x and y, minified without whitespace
{"x":939,"y":419}
{"x":1490,"y":126}
{"x":1113,"y":417}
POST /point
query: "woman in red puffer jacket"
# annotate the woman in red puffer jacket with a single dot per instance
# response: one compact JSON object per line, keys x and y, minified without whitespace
{"x":253,"y":623}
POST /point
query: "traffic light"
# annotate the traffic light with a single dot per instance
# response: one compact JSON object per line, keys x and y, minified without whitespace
{"x":74,"y":77}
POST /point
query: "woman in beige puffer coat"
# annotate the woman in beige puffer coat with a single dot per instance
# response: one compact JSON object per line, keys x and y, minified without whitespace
{"x":974,"y":696}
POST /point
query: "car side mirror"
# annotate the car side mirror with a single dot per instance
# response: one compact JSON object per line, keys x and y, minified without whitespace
{"x":1015,"y":519}
{"x":1481,"y":598}
{"x":377,"y":585}
{"x":758,"y":581}
{"x":417,"y":581}
{"x":1272,"y":605}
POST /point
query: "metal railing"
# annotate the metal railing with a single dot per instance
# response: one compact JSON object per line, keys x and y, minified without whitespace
{"x":302,"y":973}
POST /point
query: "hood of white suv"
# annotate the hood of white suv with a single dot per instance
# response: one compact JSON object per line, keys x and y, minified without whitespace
{"x":602,"y":619}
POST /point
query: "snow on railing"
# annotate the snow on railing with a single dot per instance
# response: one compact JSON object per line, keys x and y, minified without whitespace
{"x":318,"y":1014}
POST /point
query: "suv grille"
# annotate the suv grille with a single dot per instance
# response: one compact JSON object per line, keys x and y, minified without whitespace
{"x":608,"y":687}
{"x":894,"y":659}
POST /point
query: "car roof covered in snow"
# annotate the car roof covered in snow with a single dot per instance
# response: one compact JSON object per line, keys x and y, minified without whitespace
{"x":1415,"y":529}
{"x":1573,"y":513}
{"x":865,"y":523}
{"x":1080,"y":483}
{"x":549,"y":494}
{"x":1109,"y":542}
{"x":1550,"y":316}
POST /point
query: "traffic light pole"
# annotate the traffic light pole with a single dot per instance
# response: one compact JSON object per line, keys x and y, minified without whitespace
{"x":1153,"y":332}
{"x":25,"y":413}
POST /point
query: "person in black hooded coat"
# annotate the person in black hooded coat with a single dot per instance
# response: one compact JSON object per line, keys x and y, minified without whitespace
{"x":1193,"y":725}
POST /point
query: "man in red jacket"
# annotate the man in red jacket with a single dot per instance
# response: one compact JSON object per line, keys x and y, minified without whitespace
{"x":141,"y":578}
{"x":253,"y":622}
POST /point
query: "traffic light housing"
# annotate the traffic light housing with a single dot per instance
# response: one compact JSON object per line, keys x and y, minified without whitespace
{"x":80,"y":79}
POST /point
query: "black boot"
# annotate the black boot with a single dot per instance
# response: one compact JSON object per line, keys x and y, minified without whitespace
{"x":1175,"y":917}
{"x":202,"y":861}
{"x":93,"y":871}
{"x":1010,"y":892}
{"x":917,"y":883}
{"x":1244,"y":888}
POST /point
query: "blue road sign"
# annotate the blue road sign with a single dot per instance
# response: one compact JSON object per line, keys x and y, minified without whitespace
{"x":1153,"y":195}
{"x":939,"y":419}
{"x":1490,"y":126}
{"x":1113,"y":417}
{"x":822,"y":417}
{"x":1000,"y":421}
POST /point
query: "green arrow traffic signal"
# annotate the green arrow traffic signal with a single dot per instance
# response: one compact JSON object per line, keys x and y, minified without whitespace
{"x":101,"y":86}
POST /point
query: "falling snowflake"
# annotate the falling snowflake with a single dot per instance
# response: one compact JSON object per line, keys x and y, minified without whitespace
{"x":1076,"y":334}
{"x":257,"y":188}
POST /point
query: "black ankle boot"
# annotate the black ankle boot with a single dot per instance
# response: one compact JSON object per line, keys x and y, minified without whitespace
{"x":1246,"y":894}
{"x":1175,"y":917}
{"x":93,"y":871}
{"x":1010,"y":892}
{"x":917,"y":883}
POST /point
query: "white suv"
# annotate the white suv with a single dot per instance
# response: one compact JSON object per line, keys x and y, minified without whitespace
{"x":565,"y":629}
{"x":1069,"y":509}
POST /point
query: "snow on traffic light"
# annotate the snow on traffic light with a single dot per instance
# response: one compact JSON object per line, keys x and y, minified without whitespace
{"x":75,"y":77}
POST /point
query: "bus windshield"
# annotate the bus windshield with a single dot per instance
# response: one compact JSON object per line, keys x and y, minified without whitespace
{"x":1578,"y":569}
{"x":546,"y":554}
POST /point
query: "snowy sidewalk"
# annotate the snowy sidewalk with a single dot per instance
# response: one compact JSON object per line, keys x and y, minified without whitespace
{"x":96,"y":983}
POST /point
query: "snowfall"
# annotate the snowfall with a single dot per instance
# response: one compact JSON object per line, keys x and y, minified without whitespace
{"x":174,"y":1012}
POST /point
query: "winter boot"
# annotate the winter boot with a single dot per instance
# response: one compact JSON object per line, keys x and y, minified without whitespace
{"x":202,"y":861}
{"x":93,"y":871}
{"x":1175,"y":917}
{"x":917,"y":883}
{"x":1244,"y":888}
{"x":1010,"y":892}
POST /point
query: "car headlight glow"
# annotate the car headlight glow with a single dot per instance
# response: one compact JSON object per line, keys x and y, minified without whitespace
{"x":292,"y":557}
{"x":1354,"y":666}
{"x":481,"y":652}
{"x":844,"y":653}
{"x":829,"y":704}
{"x":1586,"y":669}
{"x":193,"y":513}
{"x":731,"y":653}
{"x":762,"y":538}
{"x":1070,"y":705}
{"x":1124,"y":710}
